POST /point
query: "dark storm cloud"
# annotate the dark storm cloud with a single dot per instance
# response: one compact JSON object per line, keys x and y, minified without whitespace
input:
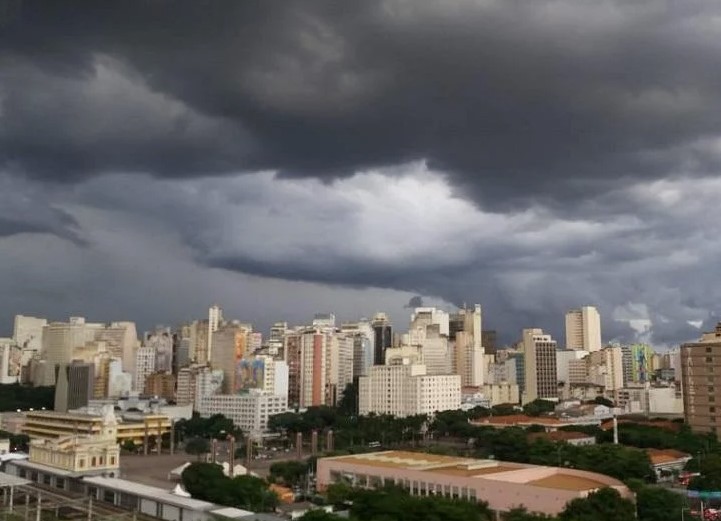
{"x":513,"y":99}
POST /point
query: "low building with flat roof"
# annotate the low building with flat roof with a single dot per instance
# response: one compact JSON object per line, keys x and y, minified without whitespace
{"x":504,"y":485}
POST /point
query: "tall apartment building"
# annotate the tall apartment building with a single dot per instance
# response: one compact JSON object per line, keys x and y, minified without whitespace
{"x":642,"y":367}
{"x":605,"y":368}
{"x":215,"y":319}
{"x":701,"y":382}
{"x":230,"y":347}
{"x":74,"y":385}
{"x":197,"y":381}
{"x":161,"y":340}
{"x":28,"y":332}
{"x":145,"y":358}
{"x":161,"y":384}
{"x":583,"y":329}
{"x":382,"y":337}
{"x":362,"y":334}
{"x":339,"y":366}
{"x":539,"y":353}
{"x":277,"y":338}
{"x":489,"y":341}
{"x":429,"y":331}
{"x":405,"y":389}
{"x":469,"y":353}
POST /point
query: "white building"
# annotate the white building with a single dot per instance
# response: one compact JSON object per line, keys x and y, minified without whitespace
{"x":583,"y":329}
{"x":249,"y":410}
{"x":563,"y":358}
{"x":406,"y":389}
{"x":161,"y":339}
{"x":9,"y":368}
{"x":145,"y":358}
{"x":215,"y":319}
{"x":120,"y":382}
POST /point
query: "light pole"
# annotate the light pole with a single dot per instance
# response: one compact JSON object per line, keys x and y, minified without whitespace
{"x":683,"y":509}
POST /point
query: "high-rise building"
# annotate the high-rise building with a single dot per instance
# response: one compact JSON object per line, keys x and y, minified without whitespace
{"x":230,"y":347}
{"x":605,"y":368}
{"x":429,"y":331}
{"x":339,"y":366}
{"x":539,"y":353}
{"x":74,"y":385}
{"x":362,"y":334}
{"x":382,"y":337}
{"x":701,"y":382}
{"x":468,"y":347}
{"x":489,"y":341}
{"x":145,"y":359}
{"x":583,"y":329}
{"x":28,"y":332}
{"x":642,"y":356}
{"x":161,"y":340}
{"x":161,"y":385}
{"x":404,"y":389}
{"x":276,"y":338}
{"x":215,"y":319}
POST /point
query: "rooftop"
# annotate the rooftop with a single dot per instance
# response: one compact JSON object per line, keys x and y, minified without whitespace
{"x":532,"y":475}
{"x":159,"y":494}
{"x":560,"y":435}
{"x":662,"y":456}
{"x":8,"y":480}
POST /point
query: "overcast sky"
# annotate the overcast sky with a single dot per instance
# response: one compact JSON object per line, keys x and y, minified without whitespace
{"x":285,"y":158}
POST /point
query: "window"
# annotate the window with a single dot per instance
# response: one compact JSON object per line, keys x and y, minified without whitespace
{"x":708,"y":349}
{"x":712,"y":409}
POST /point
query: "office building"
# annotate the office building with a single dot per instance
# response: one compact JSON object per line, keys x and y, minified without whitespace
{"x":701,"y":382}
{"x":249,"y":409}
{"x":405,"y":389}
{"x":583,"y":329}
{"x":539,"y":353}
{"x":74,"y":385}
{"x":382,"y":337}
{"x":503,"y":485}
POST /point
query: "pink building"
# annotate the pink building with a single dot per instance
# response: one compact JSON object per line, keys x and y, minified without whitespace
{"x":503,"y":485}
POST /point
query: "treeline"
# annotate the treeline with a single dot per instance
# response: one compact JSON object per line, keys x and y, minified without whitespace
{"x":23,"y":397}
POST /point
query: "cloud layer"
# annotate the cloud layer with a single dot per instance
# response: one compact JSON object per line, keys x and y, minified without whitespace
{"x":531,"y":156}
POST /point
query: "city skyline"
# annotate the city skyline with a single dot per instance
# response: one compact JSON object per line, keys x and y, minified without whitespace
{"x":279,"y":161}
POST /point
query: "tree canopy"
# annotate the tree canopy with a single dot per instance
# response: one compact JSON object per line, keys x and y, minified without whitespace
{"x":217,"y":426}
{"x":207,"y":481}
{"x":16,"y":396}
{"x":605,"y":504}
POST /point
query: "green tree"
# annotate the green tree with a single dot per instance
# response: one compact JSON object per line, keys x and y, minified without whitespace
{"x":605,"y":504}
{"x":199,"y":478}
{"x":25,"y":397}
{"x":292,"y":473}
{"x":658,"y":504}
{"x":538,"y":407}
{"x":197,"y":446}
{"x":129,"y":446}
{"x":348,"y":404}
{"x":339,"y":493}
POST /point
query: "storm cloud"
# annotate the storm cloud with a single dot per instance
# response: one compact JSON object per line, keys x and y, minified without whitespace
{"x":533,"y":156}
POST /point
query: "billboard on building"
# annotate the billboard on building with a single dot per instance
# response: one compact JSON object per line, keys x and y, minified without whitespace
{"x":252,"y":374}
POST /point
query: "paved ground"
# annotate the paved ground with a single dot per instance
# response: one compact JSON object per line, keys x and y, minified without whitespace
{"x":153,"y":469}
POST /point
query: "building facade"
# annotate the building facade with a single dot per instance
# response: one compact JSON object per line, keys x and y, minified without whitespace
{"x":405,"y":389}
{"x":701,"y":382}
{"x":583,"y":329}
